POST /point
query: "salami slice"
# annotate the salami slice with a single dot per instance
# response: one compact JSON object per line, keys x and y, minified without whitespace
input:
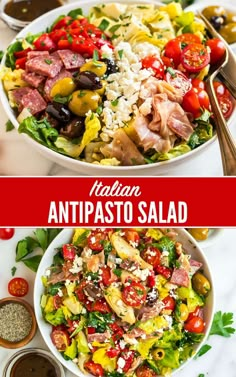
{"x":180,"y":277}
{"x":33,"y":101}
{"x":50,"y":82}
{"x":71,"y":59}
{"x":19,"y":93}
{"x":49,"y":66}
{"x":34,"y":54}
{"x":33,"y":78}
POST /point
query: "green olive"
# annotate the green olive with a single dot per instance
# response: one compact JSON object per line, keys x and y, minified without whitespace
{"x":231,"y":17}
{"x":97,"y":67}
{"x":213,"y":10}
{"x":228,"y":32}
{"x":158,"y":354}
{"x":201,"y":284}
{"x":84,"y":100}
{"x":199,"y":234}
{"x":63,"y":87}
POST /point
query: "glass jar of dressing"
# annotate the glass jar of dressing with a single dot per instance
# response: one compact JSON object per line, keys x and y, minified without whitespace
{"x":19,"y":13}
{"x":33,"y":362}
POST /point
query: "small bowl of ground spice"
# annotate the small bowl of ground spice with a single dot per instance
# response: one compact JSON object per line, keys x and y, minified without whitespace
{"x":17,"y":322}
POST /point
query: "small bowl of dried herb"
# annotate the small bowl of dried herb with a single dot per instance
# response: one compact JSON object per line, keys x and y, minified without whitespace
{"x":17,"y":322}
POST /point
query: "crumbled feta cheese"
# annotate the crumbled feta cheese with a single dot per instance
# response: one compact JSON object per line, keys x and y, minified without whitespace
{"x":168,"y":319}
{"x":59,"y":292}
{"x":121,"y":363}
{"x":48,"y":272}
{"x":118,"y":260}
{"x":67,"y":282}
{"x":165,"y":253}
{"x":133,"y":243}
{"x":83,"y":311}
{"x":75,"y":360}
{"x":141,"y":274}
{"x":122,"y":344}
{"x":77,"y":265}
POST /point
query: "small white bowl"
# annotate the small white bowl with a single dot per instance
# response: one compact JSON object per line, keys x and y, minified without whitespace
{"x":189,"y":244}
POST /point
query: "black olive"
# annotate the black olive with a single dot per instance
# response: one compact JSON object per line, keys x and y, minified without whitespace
{"x":111,"y":66}
{"x":88,"y":80}
{"x":73,"y":129}
{"x":217,"y":21}
{"x":152,"y":296}
{"x":59,"y":112}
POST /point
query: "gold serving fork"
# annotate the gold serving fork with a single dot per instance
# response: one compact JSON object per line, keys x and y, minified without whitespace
{"x":226,"y":141}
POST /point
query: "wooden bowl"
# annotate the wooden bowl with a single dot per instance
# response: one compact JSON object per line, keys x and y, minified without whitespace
{"x":14,"y":300}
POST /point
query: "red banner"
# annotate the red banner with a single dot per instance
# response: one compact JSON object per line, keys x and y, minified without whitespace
{"x":100,"y":201}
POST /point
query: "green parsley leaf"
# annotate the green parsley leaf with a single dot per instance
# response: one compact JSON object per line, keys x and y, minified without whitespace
{"x":117,"y":272}
{"x":48,"y":61}
{"x":115,"y":102}
{"x":114,"y":28}
{"x":95,"y":55}
{"x":120,"y":53}
{"x":221,"y":324}
{"x":42,"y":237}
{"x":9,"y":126}
{"x":104,"y":24}
{"x":33,"y":262}
{"x":171,"y":71}
{"x":13,"y":271}
{"x":59,"y":99}
{"x":204,"y":349}
{"x":75,"y":13}
{"x":201,"y":375}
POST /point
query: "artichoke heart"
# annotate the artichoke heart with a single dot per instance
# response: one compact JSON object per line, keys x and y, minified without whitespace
{"x":113,"y":298}
{"x":126,"y":251}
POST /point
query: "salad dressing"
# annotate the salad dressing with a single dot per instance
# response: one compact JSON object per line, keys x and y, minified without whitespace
{"x":34,"y":365}
{"x":29,"y":10}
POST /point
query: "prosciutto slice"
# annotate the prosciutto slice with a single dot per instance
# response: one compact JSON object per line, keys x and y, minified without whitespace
{"x":154,"y":86}
{"x":169,"y":118}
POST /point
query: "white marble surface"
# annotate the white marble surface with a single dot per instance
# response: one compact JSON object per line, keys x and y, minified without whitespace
{"x":19,"y":158}
{"x":220,"y":361}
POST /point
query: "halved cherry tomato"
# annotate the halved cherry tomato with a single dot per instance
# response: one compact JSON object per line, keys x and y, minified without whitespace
{"x":113,"y":352}
{"x":218,"y":49}
{"x":165,"y":271}
{"x":188,"y":38}
{"x":196,"y":325}
{"x":18,"y":287}
{"x":152,"y":256}
{"x":20,"y":63}
{"x":173,"y":51}
{"x":195,"y":57}
{"x":169,"y":303}
{"x":63,"y":23}
{"x":6,"y":233}
{"x":198,"y":84}
{"x":224,"y":98}
{"x":134,"y":294}
{"x":57,"y":301}
{"x":117,"y":331}
{"x":145,"y":371}
{"x":155,"y":64}
{"x":60,"y":338}
{"x":94,"y":368}
{"x":69,"y":252}
{"x":132,"y":236}
{"x":196,"y":313}
{"x":178,"y":80}
{"x":44,"y":43}
{"x":96,"y":240}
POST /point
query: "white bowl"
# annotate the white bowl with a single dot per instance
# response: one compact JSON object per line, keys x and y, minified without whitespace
{"x":189,"y":244}
{"x":160,"y":168}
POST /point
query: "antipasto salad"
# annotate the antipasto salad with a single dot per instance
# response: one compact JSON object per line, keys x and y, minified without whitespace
{"x":125,"y":302}
{"x":121,"y":86}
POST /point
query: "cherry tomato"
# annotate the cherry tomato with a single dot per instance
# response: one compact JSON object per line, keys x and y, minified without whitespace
{"x":128,"y":356}
{"x":107,"y":278}
{"x":173,"y":51}
{"x":100,"y":306}
{"x":152,"y":256}
{"x":96,"y":240}
{"x":63,"y":23}
{"x":218,"y":49}
{"x":44,"y":43}
{"x":178,"y":80}
{"x":188,"y":38}
{"x":6,"y":233}
{"x":57,"y":301}
{"x":165,"y":271}
{"x":113,"y":352}
{"x":60,"y":338}
{"x":94,"y":368}
{"x":203,"y":98}
{"x":132,"y":236}
{"x":167,"y":61}
{"x":20,"y":63}
{"x":155,"y":64}
{"x":169,"y":303}
{"x":198,"y":84}
{"x":224,"y":98}
{"x":145,"y":371}
{"x":196,"y":313}
{"x":134,"y":294}
{"x":69,"y":252}
{"x":195,"y":57}
{"x":196,"y":100}
{"x":18,"y":287}
{"x":196,"y":325}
